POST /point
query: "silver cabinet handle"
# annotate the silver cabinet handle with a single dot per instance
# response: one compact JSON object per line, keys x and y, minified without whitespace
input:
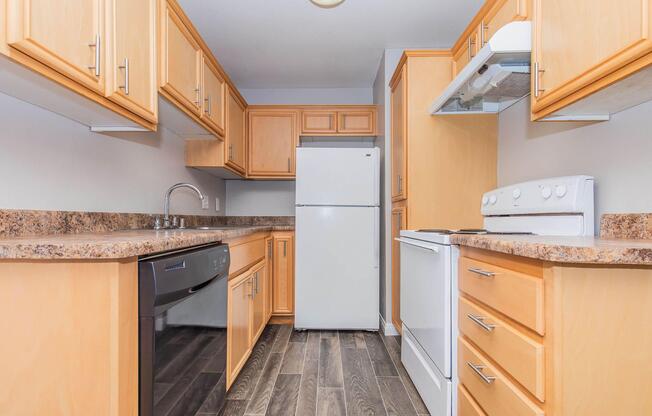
{"x":480,"y":321}
{"x":537,"y":81}
{"x":285,"y":248}
{"x":289,"y":167}
{"x":478,"y":370}
{"x":125,"y":66}
{"x":230,"y":152}
{"x":481,"y":272}
{"x":207,"y":100}
{"x":269,"y":249}
{"x":400,"y":184}
{"x":251,"y":288}
{"x":197,"y":90}
{"x":468,"y":46}
{"x":483,"y":33}
{"x":97,"y":46}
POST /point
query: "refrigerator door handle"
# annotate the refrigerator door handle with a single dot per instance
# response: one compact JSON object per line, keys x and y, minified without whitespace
{"x":376,"y":242}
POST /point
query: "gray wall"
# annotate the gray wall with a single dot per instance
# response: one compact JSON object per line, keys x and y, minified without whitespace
{"x":260,"y":198}
{"x":308,"y":96}
{"x":617,"y":152}
{"x":48,"y":162}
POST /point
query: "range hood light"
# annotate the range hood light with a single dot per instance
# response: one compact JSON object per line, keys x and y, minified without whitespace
{"x":327,"y":4}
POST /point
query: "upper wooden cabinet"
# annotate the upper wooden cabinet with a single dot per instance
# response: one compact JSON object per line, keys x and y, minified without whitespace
{"x":235,"y":138}
{"x":501,"y":13}
{"x":338,"y":121}
{"x":131,"y":56}
{"x":181,"y":59}
{"x":272,"y":139}
{"x":398,"y":104}
{"x":583,"y":46}
{"x":66,"y":35}
{"x":464,"y":54}
{"x":214,"y":93}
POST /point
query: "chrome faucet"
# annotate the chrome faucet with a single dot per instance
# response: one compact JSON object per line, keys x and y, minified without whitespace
{"x":166,"y":205}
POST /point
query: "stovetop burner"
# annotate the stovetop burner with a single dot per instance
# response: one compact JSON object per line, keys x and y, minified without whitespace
{"x":476,"y":231}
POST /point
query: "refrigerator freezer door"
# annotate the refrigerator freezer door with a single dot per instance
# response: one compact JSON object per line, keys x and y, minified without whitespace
{"x":337,"y":268}
{"x":336,"y":176}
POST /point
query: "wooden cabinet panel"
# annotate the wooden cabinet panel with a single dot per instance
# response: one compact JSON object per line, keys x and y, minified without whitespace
{"x":517,"y":295}
{"x":502,"y":13}
{"x":497,"y":395}
{"x":269,"y":275}
{"x":578,"y":42}
{"x":245,"y":252}
{"x":399,"y":136}
{"x":131,"y":56}
{"x":181,"y":56}
{"x":283,"y":283}
{"x":399,"y":222}
{"x":214,"y":95}
{"x":66,"y":35}
{"x":239,"y":324}
{"x":466,"y":404}
{"x":318,"y":122}
{"x":273,"y":137}
{"x":258,"y":308}
{"x":361,"y":122}
{"x":466,"y":52}
{"x":520,"y":355}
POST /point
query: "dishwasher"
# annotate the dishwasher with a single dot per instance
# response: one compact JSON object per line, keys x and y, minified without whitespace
{"x":182,"y":330}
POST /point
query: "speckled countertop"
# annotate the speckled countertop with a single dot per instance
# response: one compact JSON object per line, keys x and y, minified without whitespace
{"x":590,"y":250}
{"x":118,"y":244}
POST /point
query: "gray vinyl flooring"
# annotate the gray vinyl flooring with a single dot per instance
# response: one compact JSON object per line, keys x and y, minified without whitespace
{"x":310,"y":373}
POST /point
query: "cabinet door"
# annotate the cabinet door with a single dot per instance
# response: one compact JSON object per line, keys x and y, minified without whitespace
{"x":361,"y":122}
{"x":578,"y":42}
{"x":181,"y":61}
{"x":214,"y":92}
{"x":398,"y":224}
{"x":131,"y":80}
{"x":502,"y":13}
{"x":234,"y":139}
{"x":399,"y":136}
{"x":258,"y":314}
{"x":283,"y":284}
{"x":273,"y":138}
{"x":269,"y":273}
{"x":466,"y":52}
{"x":239,"y":324}
{"x":66,"y":35}
{"x":318,"y":122}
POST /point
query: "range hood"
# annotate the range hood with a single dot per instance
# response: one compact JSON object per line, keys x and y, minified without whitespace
{"x":497,"y":77}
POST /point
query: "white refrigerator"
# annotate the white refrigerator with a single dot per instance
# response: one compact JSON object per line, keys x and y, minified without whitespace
{"x":337,"y":238}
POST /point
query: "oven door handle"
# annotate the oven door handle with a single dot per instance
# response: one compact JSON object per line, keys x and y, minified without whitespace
{"x":434,"y":249}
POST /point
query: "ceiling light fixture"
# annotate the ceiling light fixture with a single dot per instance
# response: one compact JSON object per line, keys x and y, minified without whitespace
{"x":327,"y":4}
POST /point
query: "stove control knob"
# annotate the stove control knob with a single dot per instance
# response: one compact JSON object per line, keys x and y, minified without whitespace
{"x":516,"y":193}
{"x":485,"y":200}
{"x":546,"y":192}
{"x":493,"y":199}
{"x":560,"y":191}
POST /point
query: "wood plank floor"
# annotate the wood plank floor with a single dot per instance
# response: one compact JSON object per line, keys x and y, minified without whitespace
{"x":323,"y":373}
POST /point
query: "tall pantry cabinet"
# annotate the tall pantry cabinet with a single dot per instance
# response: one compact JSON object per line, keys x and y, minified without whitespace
{"x":441,"y":165}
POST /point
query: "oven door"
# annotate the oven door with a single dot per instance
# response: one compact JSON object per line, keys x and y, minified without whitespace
{"x":426,"y":298}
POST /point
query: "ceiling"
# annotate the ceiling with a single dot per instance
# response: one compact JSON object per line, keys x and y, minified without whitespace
{"x":294,"y":44}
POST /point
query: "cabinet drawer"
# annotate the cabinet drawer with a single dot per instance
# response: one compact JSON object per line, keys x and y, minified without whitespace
{"x":245,"y":253}
{"x":521,"y":356}
{"x":515,"y":294}
{"x":466,"y":405}
{"x":490,"y":388}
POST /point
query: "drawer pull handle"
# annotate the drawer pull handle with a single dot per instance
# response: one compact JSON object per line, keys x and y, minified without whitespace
{"x":481,"y":272}
{"x":480,"y":321}
{"x":478,"y":370}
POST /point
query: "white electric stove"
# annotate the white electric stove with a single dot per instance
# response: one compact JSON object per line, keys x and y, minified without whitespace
{"x":554,"y":206}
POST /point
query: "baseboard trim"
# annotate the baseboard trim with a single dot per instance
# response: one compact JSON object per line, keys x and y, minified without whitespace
{"x":282,"y":320}
{"x":388,"y":328}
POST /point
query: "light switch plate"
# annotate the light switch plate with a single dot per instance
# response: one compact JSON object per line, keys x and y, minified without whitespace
{"x":217,"y":203}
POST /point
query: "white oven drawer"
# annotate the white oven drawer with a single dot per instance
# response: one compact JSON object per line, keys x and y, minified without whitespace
{"x":426,"y":298}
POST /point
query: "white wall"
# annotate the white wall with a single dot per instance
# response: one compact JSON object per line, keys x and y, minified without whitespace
{"x":48,"y":162}
{"x":617,"y":152}
{"x":308,"y":96}
{"x":260,"y":198}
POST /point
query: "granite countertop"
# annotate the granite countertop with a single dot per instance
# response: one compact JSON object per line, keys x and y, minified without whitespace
{"x":589,"y":250}
{"x":118,"y":244}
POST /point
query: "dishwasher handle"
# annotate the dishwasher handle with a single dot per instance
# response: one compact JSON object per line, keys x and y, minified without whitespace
{"x":434,"y":249}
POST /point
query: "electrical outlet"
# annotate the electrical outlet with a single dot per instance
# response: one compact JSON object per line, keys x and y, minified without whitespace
{"x":217,"y":204}
{"x":204,"y":203}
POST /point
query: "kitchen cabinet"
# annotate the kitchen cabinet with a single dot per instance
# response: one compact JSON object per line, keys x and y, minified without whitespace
{"x":583,"y":46}
{"x":318,"y":122}
{"x":181,"y":57}
{"x":131,"y":65}
{"x":259,"y":293}
{"x":343,"y":120}
{"x":66,"y":35}
{"x":464,"y":54}
{"x":501,"y":13}
{"x":269,"y":274}
{"x":356,"y":122}
{"x":235,"y":139}
{"x":398,"y":224}
{"x":283,"y":279}
{"x":239,"y":327}
{"x":542,"y":351}
{"x":399,"y":126}
{"x":214,"y":95}
{"x":272,"y":139}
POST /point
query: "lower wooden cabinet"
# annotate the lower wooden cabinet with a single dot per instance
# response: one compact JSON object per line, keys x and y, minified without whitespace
{"x":258,"y":294}
{"x":269,"y":274}
{"x":238,"y":330}
{"x":398,"y":223}
{"x":283,"y":279}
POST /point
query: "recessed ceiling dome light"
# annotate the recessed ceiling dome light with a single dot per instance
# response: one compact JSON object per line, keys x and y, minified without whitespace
{"x":327,"y":4}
